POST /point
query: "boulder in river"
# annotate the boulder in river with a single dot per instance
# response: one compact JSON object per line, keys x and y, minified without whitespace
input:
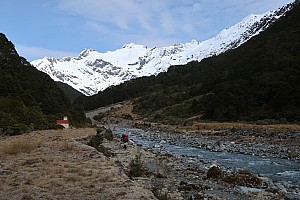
{"x":215,"y":172}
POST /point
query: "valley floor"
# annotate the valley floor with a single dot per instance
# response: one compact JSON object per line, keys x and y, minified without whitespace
{"x":53,"y":165}
{"x":57,"y":164}
{"x":281,"y":141}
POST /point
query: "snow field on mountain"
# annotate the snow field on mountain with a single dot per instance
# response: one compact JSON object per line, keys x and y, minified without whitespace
{"x":93,"y":71}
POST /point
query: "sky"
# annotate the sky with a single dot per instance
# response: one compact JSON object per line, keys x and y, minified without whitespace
{"x":59,"y":28}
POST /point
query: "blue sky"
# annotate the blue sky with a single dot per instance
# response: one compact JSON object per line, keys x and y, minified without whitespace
{"x":58,"y":28}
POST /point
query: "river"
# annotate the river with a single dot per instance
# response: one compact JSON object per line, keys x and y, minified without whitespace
{"x":282,"y":170}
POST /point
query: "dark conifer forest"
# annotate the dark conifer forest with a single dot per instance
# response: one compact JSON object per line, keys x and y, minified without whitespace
{"x":259,"y":80}
{"x":29,"y":99}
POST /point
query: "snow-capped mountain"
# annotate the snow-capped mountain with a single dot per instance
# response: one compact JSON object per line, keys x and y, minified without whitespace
{"x":93,"y":71}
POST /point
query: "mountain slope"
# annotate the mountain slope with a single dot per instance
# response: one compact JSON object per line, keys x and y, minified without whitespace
{"x":70,"y":92}
{"x":92,"y":71}
{"x":259,"y":80}
{"x":29,"y":97}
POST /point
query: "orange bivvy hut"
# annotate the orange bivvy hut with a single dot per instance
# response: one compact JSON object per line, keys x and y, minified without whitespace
{"x":65,"y":122}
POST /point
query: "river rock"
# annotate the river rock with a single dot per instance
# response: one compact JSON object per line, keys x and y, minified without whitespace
{"x":243,"y":189}
{"x":5,"y":172}
{"x":215,"y":172}
{"x":281,"y":187}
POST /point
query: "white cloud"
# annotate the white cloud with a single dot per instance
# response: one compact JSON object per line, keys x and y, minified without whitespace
{"x":156,"y":18}
{"x":180,"y":20}
{"x":119,"y":13}
{"x":33,"y":53}
{"x":108,"y":24}
{"x":98,"y":27}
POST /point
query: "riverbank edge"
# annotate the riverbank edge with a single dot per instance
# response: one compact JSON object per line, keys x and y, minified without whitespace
{"x":217,"y":141}
{"x":215,"y":185}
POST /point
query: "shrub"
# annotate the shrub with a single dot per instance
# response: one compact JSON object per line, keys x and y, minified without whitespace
{"x":56,"y":126}
{"x":136,"y":167}
{"x":96,"y":140}
{"x":18,"y":129}
{"x":104,"y":150}
{"x":127,"y":116}
{"x":158,"y":192}
{"x":293,"y":154}
{"x":108,"y":135}
{"x":243,"y":178}
{"x":99,"y":117}
{"x":215,"y":172}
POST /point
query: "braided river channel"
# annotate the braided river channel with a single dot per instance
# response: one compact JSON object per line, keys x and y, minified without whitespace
{"x":273,"y":168}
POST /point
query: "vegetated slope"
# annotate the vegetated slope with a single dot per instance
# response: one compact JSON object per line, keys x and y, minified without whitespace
{"x":69,"y":91}
{"x":259,"y":80}
{"x":29,"y":97}
{"x":92,"y":71}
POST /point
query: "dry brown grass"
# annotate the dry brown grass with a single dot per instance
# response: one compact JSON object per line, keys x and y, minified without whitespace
{"x":59,"y":168}
{"x":18,"y":146}
{"x":221,"y":126}
{"x":74,"y":170}
{"x":126,"y":109}
{"x":74,"y":178}
{"x":215,"y":126}
{"x":67,"y":146}
{"x":108,"y":178}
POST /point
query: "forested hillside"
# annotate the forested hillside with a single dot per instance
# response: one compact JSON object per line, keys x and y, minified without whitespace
{"x":29,"y":99}
{"x":258,"y":81}
{"x":70,"y":92}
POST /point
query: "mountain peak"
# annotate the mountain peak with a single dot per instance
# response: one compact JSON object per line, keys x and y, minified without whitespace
{"x":91,"y":74}
{"x":86,"y":52}
{"x":8,"y":47}
{"x":194,"y":41}
{"x":133,"y":45}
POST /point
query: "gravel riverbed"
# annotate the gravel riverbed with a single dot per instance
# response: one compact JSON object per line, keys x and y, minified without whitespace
{"x":184,"y":177}
{"x":217,"y":141}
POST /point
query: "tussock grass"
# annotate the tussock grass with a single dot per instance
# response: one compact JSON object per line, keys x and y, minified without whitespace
{"x":108,"y":178}
{"x":55,"y":182}
{"x":67,"y":146}
{"x":18,"y":146}
{"x":74,"y":170}
{"x":60,"y":168}
{"x":222,"y":126}
{"x":85,"y":173}
{"x":73,"y":178}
